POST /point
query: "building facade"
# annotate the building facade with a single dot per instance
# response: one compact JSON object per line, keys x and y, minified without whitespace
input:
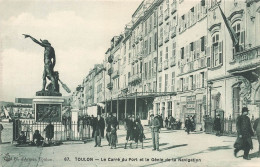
{"x":178,"y":58}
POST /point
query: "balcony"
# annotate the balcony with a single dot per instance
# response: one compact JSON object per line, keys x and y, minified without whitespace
{"x":166,"y":14}
{"x":160,"y":19}
{"x":110,"y":86}
{"x":174,"y":7}
{"x":165,"y":64}
{"x":172,"y":61}
{"x":141,"y":37}
{"x":110,"y":71}
{"x":160,"y":42}
{"x":173,"y":32}
{"x":135,"y":79}
{"x":115,"y":74}
{"x":160,"y":67}
{"x":110,"y":58}
{"x":246,"y":63}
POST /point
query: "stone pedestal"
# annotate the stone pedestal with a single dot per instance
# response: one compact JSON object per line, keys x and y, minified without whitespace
{"x":48,"y":108}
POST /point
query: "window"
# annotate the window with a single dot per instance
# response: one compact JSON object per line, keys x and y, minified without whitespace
{"x":241,"y":37}
{"x":150,"y":44}
{"x":129,"y":44}
{"x":160,"y":56}
{"x":160,"y":84}
{"x":236,"y":102}
{"x":146,"y":47}
{"x":150,"y":69}
{"x":217,"y":51}
{"x":155,"y":41}
{"x":145,"y":28}
{"x":129,"y":58}
{"x":154,"y":18}
{"x":182,"y":53}
{"x":191,"y":83}
{"x":181,"y":84}
{"x":169,"y":106}
{"x":202,"y":44}
{"x":166,"y":83}
{"x":173,"y":82}
{"x":154,"y":86}
{"x":157,"y":108}
{"x":202,"y":79}
{"x":150,"y":24}
{"x":145,"y":70}
{"x":166,"y":53}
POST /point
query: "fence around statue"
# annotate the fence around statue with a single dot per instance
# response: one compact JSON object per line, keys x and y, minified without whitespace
{"x":68,"y":131}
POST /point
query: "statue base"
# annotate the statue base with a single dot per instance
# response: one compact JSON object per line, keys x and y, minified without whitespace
{"x":48,"y":93}
{"x":47,"y":108}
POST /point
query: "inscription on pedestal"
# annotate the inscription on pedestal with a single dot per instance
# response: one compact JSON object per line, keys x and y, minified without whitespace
{"x":48,"y":112}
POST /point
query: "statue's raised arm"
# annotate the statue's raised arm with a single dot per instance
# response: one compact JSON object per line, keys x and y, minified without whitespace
{"x":35,"y":40}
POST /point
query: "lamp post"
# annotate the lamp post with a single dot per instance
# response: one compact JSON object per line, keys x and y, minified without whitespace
{"x":210,"y":88}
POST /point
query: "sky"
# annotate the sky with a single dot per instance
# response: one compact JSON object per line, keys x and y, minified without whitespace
{"x":80,"y":32}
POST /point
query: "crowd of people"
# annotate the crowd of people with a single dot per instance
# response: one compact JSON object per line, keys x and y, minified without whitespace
{"x":135,"y":131}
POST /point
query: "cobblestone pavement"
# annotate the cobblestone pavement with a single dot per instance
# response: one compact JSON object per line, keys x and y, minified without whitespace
{"x":177,"y":149}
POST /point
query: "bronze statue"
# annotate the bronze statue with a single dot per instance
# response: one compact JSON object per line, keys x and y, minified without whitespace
{"x":49,"y":60}
{"x":49,"y":63}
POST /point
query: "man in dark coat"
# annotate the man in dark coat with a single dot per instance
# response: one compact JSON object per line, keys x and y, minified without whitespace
{"x":244,"y":131}
{"x":129,"y":126}
{"x":257,"y":130}
{"x":49,"y":131}
{"x":217,"y":125}
{"x":188,"y":125}
{"x":98,"y":128}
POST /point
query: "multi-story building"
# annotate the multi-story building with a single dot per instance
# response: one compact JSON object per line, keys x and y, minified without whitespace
{"x":177,"y":58}
{"x":233,"y":72}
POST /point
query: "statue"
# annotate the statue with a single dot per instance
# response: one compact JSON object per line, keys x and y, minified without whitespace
{"x":49,"y":64}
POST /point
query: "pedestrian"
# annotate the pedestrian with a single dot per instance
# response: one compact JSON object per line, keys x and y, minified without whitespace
{"x":1,"y":129}
{"x":129,"y":126}
{"x":98,"y":129}
{"x":21,"y":139}
{"x":217,"y":125}
{"x":139,"y":133}
{"x":257,"y":130}
{"x":166,"y":122}
{"x":155,"y":130}
{"x":49,"y":131}
{"x":91,"y":123}
{"x":244,"y":131}
{"x":193,"y":125}
{"x":113,"y":137}
{"x":108,"y":130}
{"x":188,"y":125}
{"x":37,"y":138}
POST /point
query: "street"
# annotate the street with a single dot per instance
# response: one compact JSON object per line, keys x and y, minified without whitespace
{"x":177,"y":148}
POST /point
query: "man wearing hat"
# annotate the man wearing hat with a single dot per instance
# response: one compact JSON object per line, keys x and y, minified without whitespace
{"x":155,"y":130}
{"x":49,"y":61}
{"x":244,"y":132}
{"x":98,"y":128}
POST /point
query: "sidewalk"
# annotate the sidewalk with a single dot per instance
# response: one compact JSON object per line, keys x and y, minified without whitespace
{"x":177,"y":149}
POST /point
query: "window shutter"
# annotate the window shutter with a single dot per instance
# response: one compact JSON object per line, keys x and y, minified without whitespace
{"x":195,"y":14}
{"x":220,"y":52}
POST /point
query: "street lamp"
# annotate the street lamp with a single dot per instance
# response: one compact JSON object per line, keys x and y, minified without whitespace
{"x":210,"y":83}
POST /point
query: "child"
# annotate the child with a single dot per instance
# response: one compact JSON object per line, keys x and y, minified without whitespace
{"x":39,"y":139}
{"x":21,"y":139}
{"x":113,"y":137}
